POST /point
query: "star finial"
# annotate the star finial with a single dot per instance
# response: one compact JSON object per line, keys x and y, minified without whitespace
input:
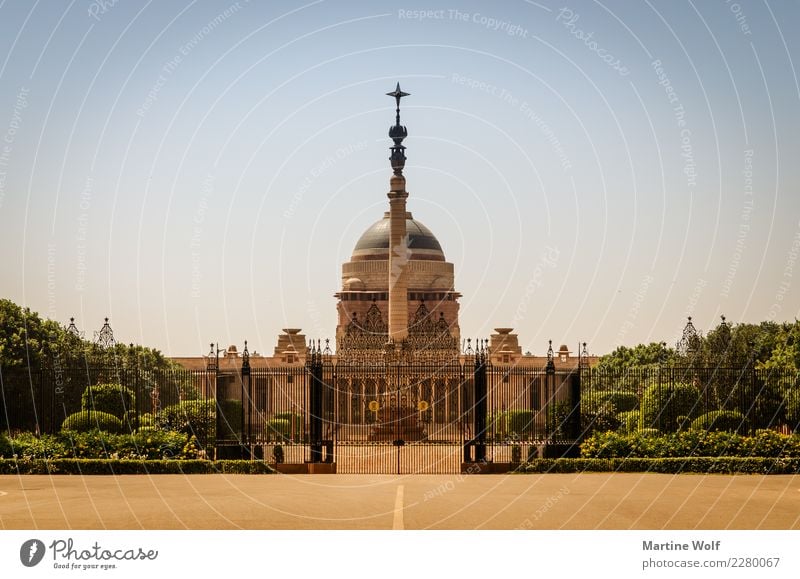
{"x":398,"y":94}
{"x":397,"y":133}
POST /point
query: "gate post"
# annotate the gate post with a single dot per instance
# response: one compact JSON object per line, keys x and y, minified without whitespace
{"x":550,"y":395}
{"x":575,"y":412}
{"x":315,"y":403}
{"x":481,"y":356}
{"x":246,"y":438}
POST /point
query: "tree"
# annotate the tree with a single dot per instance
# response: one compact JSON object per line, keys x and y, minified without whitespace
{"x":28,"y":340}
{"x":738,"y":345}
{"x":785,"y":354}
{"x":641,"y":355}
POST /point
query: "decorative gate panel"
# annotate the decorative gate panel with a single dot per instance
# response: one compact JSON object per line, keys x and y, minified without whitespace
{"x":403,"y":418}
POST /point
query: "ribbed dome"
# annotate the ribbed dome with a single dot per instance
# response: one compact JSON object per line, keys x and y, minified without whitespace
{"x":374,"y":242}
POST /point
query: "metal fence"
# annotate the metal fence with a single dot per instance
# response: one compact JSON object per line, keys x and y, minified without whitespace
{"x":40,"y":400}
{"x":667,"y":399}
{"x":407,"y":417}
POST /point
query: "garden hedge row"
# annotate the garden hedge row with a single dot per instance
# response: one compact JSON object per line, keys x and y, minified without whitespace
{"x":690,"y":443}
{"x":109,"y":466}
{"x":704,"y":465}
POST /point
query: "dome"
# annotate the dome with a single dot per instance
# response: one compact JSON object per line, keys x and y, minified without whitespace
{"x":353,"y":284}
{"x":374,"y":242}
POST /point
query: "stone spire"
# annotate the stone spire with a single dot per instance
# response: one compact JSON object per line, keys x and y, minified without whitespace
{"x":398,"y":239}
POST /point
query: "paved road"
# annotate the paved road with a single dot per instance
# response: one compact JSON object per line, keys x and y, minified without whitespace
{"x":554,"y":501}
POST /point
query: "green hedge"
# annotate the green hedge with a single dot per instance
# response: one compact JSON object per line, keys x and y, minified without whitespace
{"x":97,"y":444}
{"x":727,"y":420}
{"x":114,"y":399}
{"x":86,"y":420}
{"x":705,"y":465}
{"x":691,"y":443}
{"x":104,"y":466}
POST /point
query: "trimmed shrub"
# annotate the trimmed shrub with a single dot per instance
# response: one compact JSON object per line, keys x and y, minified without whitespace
{"x":519,"y":423}
{"x":277,"y":429}
{"x":295,"y":422}
{"x":197,"y":417}
{"x":86,"y":420}
{"x":629,"y":421}
{"x":114,"y":399}
{"x":727,"y":420}
{"x":623,"y":401}
{"x":598,"y":413}
{"x":662,"y":404}
{"x":84,"y":466}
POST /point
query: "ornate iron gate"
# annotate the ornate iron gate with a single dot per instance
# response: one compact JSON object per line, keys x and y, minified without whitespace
{"x":401,"y":416}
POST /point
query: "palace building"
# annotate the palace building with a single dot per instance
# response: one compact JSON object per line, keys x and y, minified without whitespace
{"x":397,"y":295}
{"x":399,"y":374}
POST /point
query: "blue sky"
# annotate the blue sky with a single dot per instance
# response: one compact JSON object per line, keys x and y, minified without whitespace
{"x":596,"y":170}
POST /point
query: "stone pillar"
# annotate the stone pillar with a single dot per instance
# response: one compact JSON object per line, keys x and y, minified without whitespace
{"x":398,"y":261}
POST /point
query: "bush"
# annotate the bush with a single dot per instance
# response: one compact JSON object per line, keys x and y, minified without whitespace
{"x":706,"y":465}
{"x":149,"y":445}
{"x":5,"y":446}
{"x":772,"y":444}
{"x":598,"y":413}
{"x":87,"y":420}
{"x":519,"y":423}
{"x":114,"y":399}
{"x":277,"y":429}
{"x":727,"y":420}
{"x":191,"y":449}
{"x":691,"y":443}
{"x":768,"y":408}
{"x":28,"y":446}
{"x":648,"y":432}
{"x":792,"y":401}
{"x":98,"y":444}
{"x":629,"y":421}
{"x":192,"y":417}
{"x":146,"y":421}
{"x":118,"y":467}
{"x":662,"y":404}
{"x":623,"y":401}
{"x":295,"y":430}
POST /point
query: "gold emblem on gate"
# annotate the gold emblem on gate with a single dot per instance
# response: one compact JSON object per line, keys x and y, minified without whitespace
{"x":374,"y":405}
{"x":423,"y":405}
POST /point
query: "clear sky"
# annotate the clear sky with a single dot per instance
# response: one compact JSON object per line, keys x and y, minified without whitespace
{"x":596,"y":171}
